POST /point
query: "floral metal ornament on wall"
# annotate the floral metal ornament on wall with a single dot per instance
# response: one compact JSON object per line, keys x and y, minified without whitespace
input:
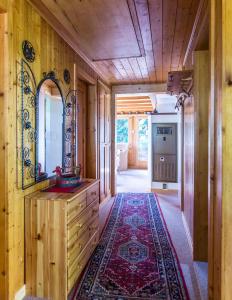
{"x":28,"y":51}
{"x":67,"y":77}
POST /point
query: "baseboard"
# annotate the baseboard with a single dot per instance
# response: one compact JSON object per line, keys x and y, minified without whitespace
{"x":189,"y":238}
{"x":21,"y":293}
{"x":202,"y":279}
{"x":169,"y":185}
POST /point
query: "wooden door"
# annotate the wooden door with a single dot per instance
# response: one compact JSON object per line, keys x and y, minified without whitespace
{"x":105,"y":142}
{"x":138,"y":142}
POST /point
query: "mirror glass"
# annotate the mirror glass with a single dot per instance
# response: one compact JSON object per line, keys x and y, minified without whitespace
{"x":49,"y":128}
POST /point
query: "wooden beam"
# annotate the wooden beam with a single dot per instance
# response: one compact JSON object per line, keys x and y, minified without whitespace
{"x":132,"y":98}
{"x":198,"y":26}
{"x":139,"y":88}
{"x":133,"y":104}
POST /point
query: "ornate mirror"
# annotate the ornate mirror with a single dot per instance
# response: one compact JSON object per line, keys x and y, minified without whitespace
{"x":50,"y":128}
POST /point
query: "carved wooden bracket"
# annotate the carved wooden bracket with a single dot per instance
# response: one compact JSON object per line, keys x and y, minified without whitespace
{"x":180,"y":83}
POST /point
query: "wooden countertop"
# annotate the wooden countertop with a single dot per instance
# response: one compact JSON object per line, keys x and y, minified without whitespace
{"x":41,"y":195}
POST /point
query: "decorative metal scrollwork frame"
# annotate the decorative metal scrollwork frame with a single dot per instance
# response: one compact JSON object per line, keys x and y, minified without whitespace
{"x":27,"y":122}
{"x":181,"y":99}
{"x":70,"y":131}
{"x":26,"y":131}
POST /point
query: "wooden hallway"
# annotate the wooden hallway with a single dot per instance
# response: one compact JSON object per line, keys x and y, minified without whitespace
{"x":115,"y":112}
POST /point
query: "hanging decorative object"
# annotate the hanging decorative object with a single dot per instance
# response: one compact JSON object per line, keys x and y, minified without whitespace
{"x":67,"y":77}
{"x":26,"y":132}
{"x":180,"y":83}
{"x":70,"y":131}
{"x":28,"y":51}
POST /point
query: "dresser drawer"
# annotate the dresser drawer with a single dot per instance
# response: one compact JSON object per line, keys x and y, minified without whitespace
{"x":74,"y":238}
{"x":94,"y":226}
{"x":77,"y":247}
{"x":78,"y":225}
{"x":93,"y":194}
{"x":76,"y":206}
{"x":79,"y":264}
{"x":80,"y":243}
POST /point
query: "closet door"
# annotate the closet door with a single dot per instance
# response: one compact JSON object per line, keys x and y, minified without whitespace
{"x":105,"y":142}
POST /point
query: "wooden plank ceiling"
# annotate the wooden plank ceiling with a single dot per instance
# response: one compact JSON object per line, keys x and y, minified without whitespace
{"x":134,"y":41}
{"x":133,"y":104}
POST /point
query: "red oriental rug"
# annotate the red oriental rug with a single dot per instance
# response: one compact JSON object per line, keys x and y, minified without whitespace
{"x":135,"y":258}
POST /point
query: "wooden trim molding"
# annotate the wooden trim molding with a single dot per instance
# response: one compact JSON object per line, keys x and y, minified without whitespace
{"x":139,"y":88}
{"x":186,"y":228}
{"x":199,"y":23}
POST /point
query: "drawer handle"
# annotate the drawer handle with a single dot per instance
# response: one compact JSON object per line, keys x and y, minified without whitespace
{"x":94,"y":193}
{"x":79,"y":225}
{"x":80,"y":206}
{"x":80,"y":246}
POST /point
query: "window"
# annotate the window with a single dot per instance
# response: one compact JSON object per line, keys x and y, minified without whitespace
{"x":142,"y":139}
{"x":122,"y":130}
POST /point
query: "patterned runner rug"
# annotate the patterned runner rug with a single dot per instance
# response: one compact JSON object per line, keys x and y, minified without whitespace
{"x":135,"y":258}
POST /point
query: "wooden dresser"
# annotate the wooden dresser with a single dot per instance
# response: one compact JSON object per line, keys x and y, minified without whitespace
{"x":62,"y":230}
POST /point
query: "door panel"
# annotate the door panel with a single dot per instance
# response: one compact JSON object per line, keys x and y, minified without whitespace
{"x":138,"y":142}
{"x":105,"y":142}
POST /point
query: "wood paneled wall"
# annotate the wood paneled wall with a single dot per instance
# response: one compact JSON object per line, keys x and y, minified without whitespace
{"x":188,"y":140}
{"x":220,"y":178}
{"x":3,"y":156}
{"x":201,"y":100}
{"x":196,"y":158}
{"x":52,"y":53}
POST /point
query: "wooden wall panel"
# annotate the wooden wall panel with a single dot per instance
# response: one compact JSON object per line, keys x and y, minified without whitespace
{"x":52,"y":53}
{"x":189,"y":163}
{"x":196,"y":158}
{"x":221,"y":153}
{"x":201,"y":100}
{"x":215,"y":153}
{"x":3,"y":157}
{"x":92,"y":133}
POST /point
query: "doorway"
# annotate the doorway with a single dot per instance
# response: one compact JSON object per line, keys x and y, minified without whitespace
{"x":132,"y":142}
